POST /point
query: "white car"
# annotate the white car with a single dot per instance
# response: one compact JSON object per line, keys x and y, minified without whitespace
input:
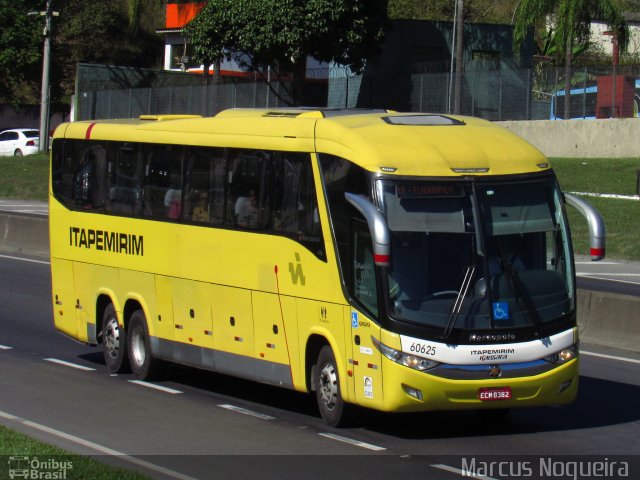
{"x":19,"y":142}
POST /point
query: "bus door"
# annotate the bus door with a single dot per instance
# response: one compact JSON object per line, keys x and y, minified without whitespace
{"x":366,"y":359}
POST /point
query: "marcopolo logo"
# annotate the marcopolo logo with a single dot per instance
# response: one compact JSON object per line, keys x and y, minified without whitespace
{"x":36,"y":468}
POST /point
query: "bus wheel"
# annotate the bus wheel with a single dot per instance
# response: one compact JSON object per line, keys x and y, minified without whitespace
{"x":327,"y":385}
{"x":143,"y":365}
{"x":114,"y":341}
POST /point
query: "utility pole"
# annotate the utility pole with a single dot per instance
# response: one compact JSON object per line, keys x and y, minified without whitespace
{"x":459,"y":56}
{"x":46,"y":64}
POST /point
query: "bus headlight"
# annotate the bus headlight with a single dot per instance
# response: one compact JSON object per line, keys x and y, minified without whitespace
{"x":411,"y":361}
{"x":563,"y":356}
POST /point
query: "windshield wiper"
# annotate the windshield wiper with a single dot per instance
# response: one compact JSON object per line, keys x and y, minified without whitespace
{"x":522,"y":296}
{"x":457,"y":305}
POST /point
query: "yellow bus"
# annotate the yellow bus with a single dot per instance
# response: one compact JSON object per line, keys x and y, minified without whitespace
{"x":401,"y":262}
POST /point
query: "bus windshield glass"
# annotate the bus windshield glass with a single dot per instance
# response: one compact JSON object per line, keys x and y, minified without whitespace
{"x":475,"y":256}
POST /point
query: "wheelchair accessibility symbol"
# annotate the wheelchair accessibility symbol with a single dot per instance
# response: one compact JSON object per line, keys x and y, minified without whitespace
{"x":501,"y":311}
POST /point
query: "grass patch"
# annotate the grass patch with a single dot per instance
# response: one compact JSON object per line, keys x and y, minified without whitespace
{"x":621,"y":217}
{"x":597,"y":175}
{"x":25,"y":178}
{"x":49,"y":460}
{"x":622,"y":223}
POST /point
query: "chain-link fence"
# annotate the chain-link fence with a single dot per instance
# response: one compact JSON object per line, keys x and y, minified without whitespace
{"x":494,"y":94}
{"x":194,"y":99}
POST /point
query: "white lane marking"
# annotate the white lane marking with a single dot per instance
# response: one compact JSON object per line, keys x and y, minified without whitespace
{"x":8,"y":416}
{"x":244,"y":411}
{"x":43,"y":262}
{"x":155,"y":387}
{"x":351,"y":441}
{"x":608,"y":195}
{"x":96,"y":447}
{"x":461,"y":472}
{"x":5,"y":347}
{"x":607,"y":274}
{"x":597,"y":263}
{"x":584,"y":275}
{"x":19,"y":205}
{"x":69,"y":364}
{"x":610,"y":357}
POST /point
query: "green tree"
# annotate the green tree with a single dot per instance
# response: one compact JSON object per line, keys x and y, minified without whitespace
{"x":571,"y":21}
{"x":96,"y":32}
{"x":476,"y":11}
{"x":20,"y":51}
{"x":281,"y":34}
{"x":437,"y":10}
{"x":91,"y":32}
{"x":145,"y":14}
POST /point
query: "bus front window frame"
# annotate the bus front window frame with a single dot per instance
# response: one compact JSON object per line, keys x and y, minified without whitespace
{"x":479,"y":254}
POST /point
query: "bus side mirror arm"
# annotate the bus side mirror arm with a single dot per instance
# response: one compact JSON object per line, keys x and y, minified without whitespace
{"x":596,"y":225}
{"x":377,"y":226}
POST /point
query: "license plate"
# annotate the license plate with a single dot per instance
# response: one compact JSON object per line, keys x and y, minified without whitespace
{"x":494,"y":393}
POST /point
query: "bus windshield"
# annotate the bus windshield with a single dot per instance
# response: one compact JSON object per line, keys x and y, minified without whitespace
{"x":476,"y":255}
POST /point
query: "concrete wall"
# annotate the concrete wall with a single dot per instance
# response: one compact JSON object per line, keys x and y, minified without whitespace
{"x":606,"y":138}
{"x":24,"y":233}
{"x":609,"y":319}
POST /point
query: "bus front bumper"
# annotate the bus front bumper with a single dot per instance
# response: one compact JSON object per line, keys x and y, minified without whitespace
{"x":408,"y":390}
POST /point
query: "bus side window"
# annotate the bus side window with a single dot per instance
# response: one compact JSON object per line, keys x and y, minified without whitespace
{"x":204,"y":185}
{"x":340,"y":176}
{"x":294,"y":202}
{"x":363,"y":272}
{"x":125,"y":179}
{"x":162,"y":182}
{"x":249,"y":175}
{"x":89,"y":176}
{"x":217,"y":187}
{"x":63,"y":169}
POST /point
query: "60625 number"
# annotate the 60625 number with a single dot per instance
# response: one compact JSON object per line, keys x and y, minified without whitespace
{"x":422,"y":349}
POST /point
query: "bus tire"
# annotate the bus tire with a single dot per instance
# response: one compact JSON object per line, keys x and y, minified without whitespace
{"x":333,"y":409}
{"x":114,"y":341}
{"x":143,"y":365}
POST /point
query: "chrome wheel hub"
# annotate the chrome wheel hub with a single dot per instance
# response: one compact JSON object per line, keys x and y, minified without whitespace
{"x":328,"y":385}
{"x":111,"y":337}
{"x":138,"y":349}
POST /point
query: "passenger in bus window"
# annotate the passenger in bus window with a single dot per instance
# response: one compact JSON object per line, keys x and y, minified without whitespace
{"x":173,"y":201}
{"x":201,"y":210}
{"x":246,"y":210}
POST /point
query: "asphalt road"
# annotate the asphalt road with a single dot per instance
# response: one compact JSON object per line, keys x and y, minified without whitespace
{"x":202,"y":425}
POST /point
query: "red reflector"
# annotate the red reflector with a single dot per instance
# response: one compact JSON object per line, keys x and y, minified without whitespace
{"x":597,"y":252}
{"x":381,"y":259}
